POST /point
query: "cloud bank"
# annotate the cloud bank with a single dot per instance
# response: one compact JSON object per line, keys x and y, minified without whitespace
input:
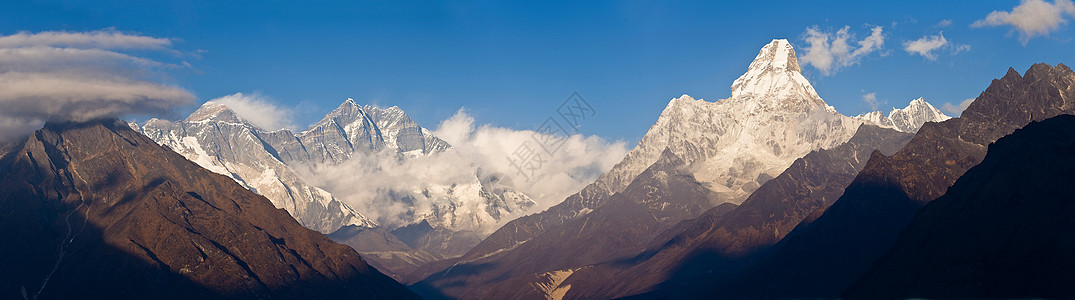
{"x":257,"y":110}
{"x":576,"y":164}
{"x":80,"y":76}
{"x":373,"y":183}
{"x":1031,"y":18}
{"x":828,"y":52}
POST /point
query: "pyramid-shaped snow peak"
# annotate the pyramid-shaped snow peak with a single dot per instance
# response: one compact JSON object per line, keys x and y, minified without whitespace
{"x":214,"y":111}
{"x":774,"y":77}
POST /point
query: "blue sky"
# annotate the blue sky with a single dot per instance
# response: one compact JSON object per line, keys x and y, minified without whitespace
{"x":511,"y":64}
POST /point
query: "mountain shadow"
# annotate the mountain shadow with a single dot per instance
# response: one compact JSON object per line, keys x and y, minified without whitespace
{"x":1004,"y":229}
{"x":689,"y":258}
{"x":822,"y":258}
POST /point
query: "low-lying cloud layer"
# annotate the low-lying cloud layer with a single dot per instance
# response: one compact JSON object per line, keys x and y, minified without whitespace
{"x":577,"y":163}
{"x":373,"y":183}
{"x":80,"y":76}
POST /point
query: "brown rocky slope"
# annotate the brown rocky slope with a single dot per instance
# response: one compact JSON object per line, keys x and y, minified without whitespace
{"x":96,"y":210}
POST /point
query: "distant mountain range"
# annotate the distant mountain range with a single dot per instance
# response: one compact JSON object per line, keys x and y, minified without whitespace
{"x":277,"y":164}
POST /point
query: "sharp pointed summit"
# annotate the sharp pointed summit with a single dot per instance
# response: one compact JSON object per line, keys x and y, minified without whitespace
{"x":775,"y":75}
{"x":214,"y":111}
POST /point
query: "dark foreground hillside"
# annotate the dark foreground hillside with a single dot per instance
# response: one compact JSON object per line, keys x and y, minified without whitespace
{"x":1005,"y":229}
{"x":96,"y":210}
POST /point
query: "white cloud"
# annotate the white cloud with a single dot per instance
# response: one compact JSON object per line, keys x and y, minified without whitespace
{"x":830,"y":51}
{"x":926,"y":45}
{"x":1031,"y":18}
{"x":944,"y":23}
{"x":258,"y":111}
{"x":80,"y":76}
{"x":956,"y":110}
{"x":870,"y":99}
{"x":363,"y":182}
{"x":956,"y":49}
{"x":100,"y":39}
{"x":577,"y":163}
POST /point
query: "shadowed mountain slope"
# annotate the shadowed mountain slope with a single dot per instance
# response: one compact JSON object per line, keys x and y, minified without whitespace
{"x":823,"y":258}
{"x":97,"y":210}
{"x":1004,"y":229}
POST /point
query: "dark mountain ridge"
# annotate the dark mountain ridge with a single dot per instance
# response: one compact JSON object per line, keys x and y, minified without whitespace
{"x":823,"y":258}
{"x":96,"y":210}
{"x":1004,"y":229}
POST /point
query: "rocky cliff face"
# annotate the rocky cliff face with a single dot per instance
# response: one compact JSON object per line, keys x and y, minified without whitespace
{"x":96,"y":210}
{"x":1003,"y":230}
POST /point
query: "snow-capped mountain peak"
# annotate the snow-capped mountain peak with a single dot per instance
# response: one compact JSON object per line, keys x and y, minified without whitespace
{"x":774,"y":77}
{"x":907,"y":119}
{"x":216,"y":138}
{"x":214,"y":111}
{"x":278,"y":164}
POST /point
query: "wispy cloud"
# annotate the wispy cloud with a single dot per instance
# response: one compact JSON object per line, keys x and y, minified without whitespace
{"x":943,"y":23}
{"x":956,"y":110}
{"x":259,"y":111}
{"x":80,"y":76}
{"x":870,"y":100}
{"x":1031,"y":18}
{"x":928,"y":46}
{"x":830,"y":51}
{"x":100,"y":39}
